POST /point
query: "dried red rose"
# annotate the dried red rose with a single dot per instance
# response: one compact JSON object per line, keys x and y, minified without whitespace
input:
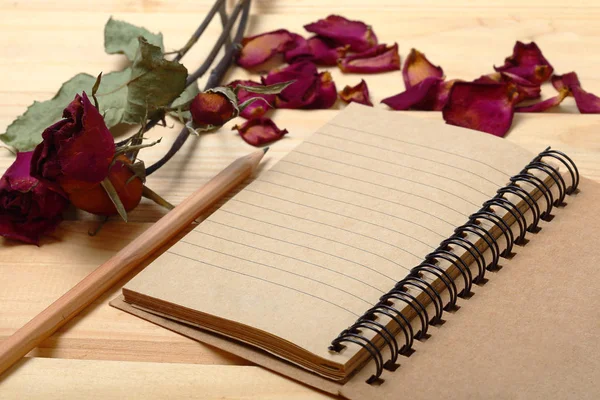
{"x":377,"y":59}
{"x":212,"y":108}
{"x":260,"y":48}
{"x":417,"y":68}
{"x":29,"y":207}
{"x":79,"y":147}
{"x":357,"y":94}
{"x":326,"y":52}
{"x":93,"y":198}
{"x":431,"y":94}
{"x":310,"y":89}
{"x":528,"y":62}
{"x":486,"y":107}
{"x":587,"y":103}
{"x":259,"y":107}
{"x":259,"y":131}
{"x":356,"y":34}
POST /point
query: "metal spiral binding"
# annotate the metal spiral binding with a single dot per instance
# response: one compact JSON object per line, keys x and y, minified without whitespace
{"x":415,"y":279}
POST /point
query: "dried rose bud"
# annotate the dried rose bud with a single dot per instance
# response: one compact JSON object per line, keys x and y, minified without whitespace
{"x":93,"y":198}
{"x":417,"y":68}
{"x":481,"y":106}
{"x":260,"y":48}
{"x":528,"y":62}
{"x":79,"y":147}
{"x":256,"y":109}
{"x":29,"y":207}
{"x":299,"y":50}
{"x":431,"y":94}
{"x":357,"y":94}
{"x":259,"y":131}
{"x":356,"y":34}
{"x":325,"y":51}
{"x":377,"y":59}
{"x":587,"y":103}
{"x":212,"y":108}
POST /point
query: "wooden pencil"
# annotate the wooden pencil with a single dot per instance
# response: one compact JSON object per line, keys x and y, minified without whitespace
{"x":106,"y":275}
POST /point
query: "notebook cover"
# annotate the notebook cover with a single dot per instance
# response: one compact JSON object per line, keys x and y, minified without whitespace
{"x":532,"y":331}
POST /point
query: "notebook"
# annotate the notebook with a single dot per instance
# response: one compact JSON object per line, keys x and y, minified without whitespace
{"x":361,"y":247}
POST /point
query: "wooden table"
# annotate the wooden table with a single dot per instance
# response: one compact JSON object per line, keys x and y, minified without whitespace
{"x":105,"y":353}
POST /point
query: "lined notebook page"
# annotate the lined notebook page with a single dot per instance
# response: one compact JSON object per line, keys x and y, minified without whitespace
{"x":314,"y":242}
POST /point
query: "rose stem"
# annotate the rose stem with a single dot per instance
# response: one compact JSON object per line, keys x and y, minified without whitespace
{"x":213,"y":80}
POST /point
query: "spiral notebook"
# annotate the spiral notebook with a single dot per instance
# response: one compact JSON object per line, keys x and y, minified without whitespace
{"x":360,"y":252}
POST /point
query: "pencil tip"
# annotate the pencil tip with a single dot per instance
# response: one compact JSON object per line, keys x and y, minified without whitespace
{"x":265,"y":149}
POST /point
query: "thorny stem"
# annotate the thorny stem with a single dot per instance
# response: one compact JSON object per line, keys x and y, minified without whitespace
{"x":215,"y":76}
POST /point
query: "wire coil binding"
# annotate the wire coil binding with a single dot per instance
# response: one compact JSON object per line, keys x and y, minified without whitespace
{"x":415,"y":279}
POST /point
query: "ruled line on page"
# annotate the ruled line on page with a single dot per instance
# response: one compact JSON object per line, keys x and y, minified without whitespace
{"x":265,"y":280}
{"x":421,"y":145}
{"x":292,"y":258}
{"x":279,"y":269}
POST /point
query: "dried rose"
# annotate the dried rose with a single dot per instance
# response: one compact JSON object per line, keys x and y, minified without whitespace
{"x":256,"y":109}
{"x":528,"y":62}
{"x":29,"y":207}
{"x":377,"y":59}
{"x":357,"y":94}
{"x":431,"y":94}
{"x":527,"y":90}
{"x":325,"y":51}
{"x":481,"y":106}
{"x":587,"y":103}
{"x":260,"y":48}
{"x":356,"y":34}
{"x":417,"y":68}
{"x":93,"y":197}
{"x":78,"y":148}
{"x":259,"y":131}
{"x":212,"y":108}
{"x":299,"y":50}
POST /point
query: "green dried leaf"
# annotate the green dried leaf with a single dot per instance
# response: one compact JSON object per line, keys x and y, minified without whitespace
{"x":121,"y":37}
{"x":114,"y":197}
{"x":186,"y":96}
{"x":154,"y":83}
{"x":268,"y":89}
{"x":155,"y":197}
{"x":139,"y":171}
{"x":199,"y":130}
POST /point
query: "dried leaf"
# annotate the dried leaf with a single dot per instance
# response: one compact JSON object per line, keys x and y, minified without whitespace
{"x":121,"y":37}
{"x":114,"y":197}
{"x":276,"y":88}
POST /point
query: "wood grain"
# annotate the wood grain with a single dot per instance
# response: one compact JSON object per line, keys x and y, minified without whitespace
{"x":45,"y":44}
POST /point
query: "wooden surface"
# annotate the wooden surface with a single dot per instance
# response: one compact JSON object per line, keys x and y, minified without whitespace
{"x":105,"y":353}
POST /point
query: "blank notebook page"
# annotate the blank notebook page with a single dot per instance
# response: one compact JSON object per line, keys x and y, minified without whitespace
{"x":314,"y":242}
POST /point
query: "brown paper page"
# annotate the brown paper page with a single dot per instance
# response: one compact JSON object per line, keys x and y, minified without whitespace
{"x":315,"y":241}
{"x":532,"y":332}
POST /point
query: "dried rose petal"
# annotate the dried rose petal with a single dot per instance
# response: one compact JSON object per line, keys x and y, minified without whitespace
{"x":260,"y":48}
{"x":357,"y":94}
{"x":326,"y":92}
{"x":431,"y":94}
{"x":417,"y":67}
{"x":299,"y":50}
{"x":256,"y":109}
{"x":357,"y":34}
{"x":326,"y":52}
{"x":303,"y":91}
{"x":377,"y":59}
{"x":546,"y":104}
{"x":587,"y":103}
{"x":528,"y":62}
{"x":527,"y":90}
{"x":260,"y":131}
{"x":481,"y":106}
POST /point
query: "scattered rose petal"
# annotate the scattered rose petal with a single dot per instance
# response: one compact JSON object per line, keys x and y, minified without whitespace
{"x":79,"y":147}
{"x":326,"y":52}
{"x":417,"y":68}
{"x":326,"y":92}
{"x":431,"y":94}
{"x":587,"y":103}
{"x":212,"y":108}
{"x":299,"y":50}
{"x":527,"y":90}
{"x":260,"y":48}
{"x":481,"y":106}
{"x":377,"y":59}
{"x":260,"y":131}
{"x":258,"y":108}
{"x":546,"y":104}
{"x":357,"y":34}
{"x":357,"y":94}
{"x":528,"y":62}
{"x":29,"y":207}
